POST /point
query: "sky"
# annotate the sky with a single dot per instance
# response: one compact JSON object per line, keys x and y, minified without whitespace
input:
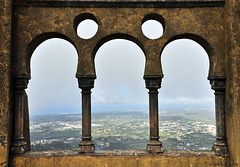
{"x":119,"y":85}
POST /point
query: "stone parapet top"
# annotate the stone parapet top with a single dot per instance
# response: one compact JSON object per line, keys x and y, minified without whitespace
{"x":118,"y":153}
{"x":121,"y":0}
{"x":121,"y":3}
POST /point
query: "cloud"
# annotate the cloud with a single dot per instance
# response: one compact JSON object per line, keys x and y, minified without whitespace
{"x":120,"y":69}
{"x":185,"y":66}
{"x":53,"y":82}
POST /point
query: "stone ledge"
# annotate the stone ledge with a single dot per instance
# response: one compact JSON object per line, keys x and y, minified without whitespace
{"x":118,"y":153}
{"x":120,"y":158}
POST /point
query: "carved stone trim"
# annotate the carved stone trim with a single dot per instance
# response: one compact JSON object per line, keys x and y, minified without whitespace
{"x":86,"y":81}
{"x":20,"y":82}
{"x":153,"y":81}
{"x":218,"y":83}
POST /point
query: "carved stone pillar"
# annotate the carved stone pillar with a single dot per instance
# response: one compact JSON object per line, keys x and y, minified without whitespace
{"x":19,"y":138}
{"x":218,"y":85}
{"x":153,"y":83}
{"x":86,"y":83}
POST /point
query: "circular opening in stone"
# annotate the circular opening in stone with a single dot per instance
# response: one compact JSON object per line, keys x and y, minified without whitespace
{"x":87,"y":29}
{"x":152,"y":29}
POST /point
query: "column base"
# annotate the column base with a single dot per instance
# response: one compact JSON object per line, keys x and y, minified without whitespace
{"x":154,"y":147}
{"x":86,"y":147}
{"x":19,"y":147}
{"x":220,"y":148}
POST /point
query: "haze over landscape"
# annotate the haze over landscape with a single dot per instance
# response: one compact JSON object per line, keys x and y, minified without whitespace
{"x":179,"y":129}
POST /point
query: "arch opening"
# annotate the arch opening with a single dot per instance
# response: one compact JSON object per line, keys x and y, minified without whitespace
{"x":187,"y":118}
{"x":53,"y":90}
{"x":119,"y":98}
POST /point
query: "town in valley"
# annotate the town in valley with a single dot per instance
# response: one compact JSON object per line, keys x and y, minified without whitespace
{"x":179,"y":129}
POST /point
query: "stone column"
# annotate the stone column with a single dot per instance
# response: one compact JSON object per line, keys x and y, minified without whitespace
{"x":86,"y":83}
{"x":153,"y":83}
{"x":218,"y":85}
{"x":19,"y":138}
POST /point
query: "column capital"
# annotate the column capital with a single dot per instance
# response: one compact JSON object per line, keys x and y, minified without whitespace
{"x":153,"y":81}
{"x":218,"y":83}
{"x":20,"y":82}
{"x":86,"y":81}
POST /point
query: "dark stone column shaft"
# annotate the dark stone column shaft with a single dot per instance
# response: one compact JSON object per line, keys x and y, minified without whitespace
{"x":86,"y":83}
{"x":220,"y":119}
{"x":19,"y":141}
{"x":153,"y":114}
{"x":218,"y":85}
{"x":153,"y":83}
{"x":86,"y":114}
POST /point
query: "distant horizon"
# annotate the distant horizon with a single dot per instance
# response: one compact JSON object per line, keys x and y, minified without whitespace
{"x":113,"y":110}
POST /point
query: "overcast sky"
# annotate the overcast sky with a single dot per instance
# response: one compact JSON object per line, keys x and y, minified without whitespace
{"x":119,"y":85}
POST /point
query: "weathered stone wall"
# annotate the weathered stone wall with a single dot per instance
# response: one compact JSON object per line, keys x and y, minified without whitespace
{"x":36,"y":24}
{"x":5,"y":51}
{"x":214,"y":25}
{"x":232,"y":13}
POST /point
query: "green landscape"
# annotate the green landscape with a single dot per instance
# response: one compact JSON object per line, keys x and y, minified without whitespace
{"x":179,"y":129}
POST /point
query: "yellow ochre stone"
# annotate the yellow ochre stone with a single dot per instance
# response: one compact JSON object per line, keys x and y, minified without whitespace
{"x":214,"y":24}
